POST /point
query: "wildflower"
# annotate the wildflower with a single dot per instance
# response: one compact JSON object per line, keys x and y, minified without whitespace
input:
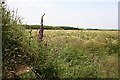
{"x":40,"y":34}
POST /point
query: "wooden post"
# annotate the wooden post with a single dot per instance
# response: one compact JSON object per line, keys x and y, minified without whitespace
{"x":41,"y":30}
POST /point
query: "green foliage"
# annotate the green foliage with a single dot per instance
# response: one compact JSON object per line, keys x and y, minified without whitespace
{"x":61,"y":54}
{"x":81,"y":54}
{"x":28,"y":75}
{"x":15,"y":42}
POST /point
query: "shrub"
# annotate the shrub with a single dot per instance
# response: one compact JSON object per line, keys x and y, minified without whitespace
{"x":15,"y":42}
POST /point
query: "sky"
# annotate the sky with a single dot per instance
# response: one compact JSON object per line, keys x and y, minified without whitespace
{"x":100,"y":14}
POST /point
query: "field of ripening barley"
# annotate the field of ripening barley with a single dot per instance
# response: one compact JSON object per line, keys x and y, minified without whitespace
{"x":80,"y":53}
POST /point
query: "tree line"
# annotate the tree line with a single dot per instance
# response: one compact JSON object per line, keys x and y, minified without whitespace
{"x":46,"y":27}
{"x":52,"y":27}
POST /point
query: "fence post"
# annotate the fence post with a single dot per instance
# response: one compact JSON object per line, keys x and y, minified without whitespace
{"x":41,"y":30}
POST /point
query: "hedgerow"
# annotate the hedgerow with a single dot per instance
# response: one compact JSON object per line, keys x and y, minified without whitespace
{"x":15,"y":42}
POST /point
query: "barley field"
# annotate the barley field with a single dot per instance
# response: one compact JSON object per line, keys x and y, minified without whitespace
{"x":79,"y":53}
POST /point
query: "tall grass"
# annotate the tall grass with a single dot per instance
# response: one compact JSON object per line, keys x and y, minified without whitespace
{"x":61,"y":54}
{"x":84,"y":53}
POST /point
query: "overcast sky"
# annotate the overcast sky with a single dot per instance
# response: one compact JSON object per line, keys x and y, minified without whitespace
{"x":102,"y":14}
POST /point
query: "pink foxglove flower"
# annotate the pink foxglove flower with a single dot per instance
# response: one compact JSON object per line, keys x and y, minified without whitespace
{"x":40,"y":34}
